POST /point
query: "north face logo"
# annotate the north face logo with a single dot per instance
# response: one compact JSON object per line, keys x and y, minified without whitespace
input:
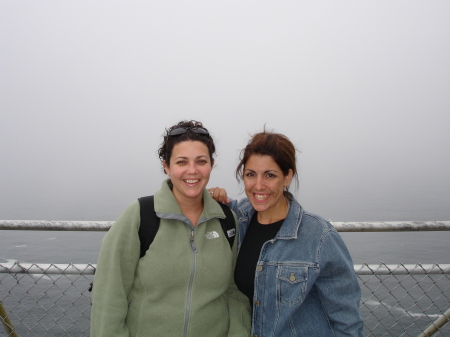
{"x":212,"y":235}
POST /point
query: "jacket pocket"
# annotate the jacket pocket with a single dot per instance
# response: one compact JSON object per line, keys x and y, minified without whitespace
{"x":291,"y":284}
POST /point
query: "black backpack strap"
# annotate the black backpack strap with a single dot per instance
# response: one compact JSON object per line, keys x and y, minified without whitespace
{"x":228,"y":224}
{"x":148,"y":228}
{"x":149,"y":223}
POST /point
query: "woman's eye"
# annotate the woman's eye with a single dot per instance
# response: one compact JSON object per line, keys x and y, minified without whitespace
{"x":270,"y":175}
{"x":181,"y":162}
{"x":249,"y":174}
{"x":202,"y":161}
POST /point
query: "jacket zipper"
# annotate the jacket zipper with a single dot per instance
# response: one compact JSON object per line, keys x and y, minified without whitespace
{"x":191,"y":280}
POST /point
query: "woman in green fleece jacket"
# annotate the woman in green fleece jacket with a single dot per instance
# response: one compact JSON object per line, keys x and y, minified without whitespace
{"x":183,"y":285}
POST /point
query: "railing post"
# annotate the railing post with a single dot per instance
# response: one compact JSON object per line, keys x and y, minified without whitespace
{"x":7,"y":322}
{"x":436,"y":325}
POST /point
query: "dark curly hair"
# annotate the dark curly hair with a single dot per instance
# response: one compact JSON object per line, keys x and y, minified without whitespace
{"x":166,"y":147}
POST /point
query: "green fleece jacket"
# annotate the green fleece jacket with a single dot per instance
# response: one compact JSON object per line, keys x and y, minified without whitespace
{"x":183,"y":286}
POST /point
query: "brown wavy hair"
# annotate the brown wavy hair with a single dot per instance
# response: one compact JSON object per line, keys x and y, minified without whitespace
{"x":275,"y":145}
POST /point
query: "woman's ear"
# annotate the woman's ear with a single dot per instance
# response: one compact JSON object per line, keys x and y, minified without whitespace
{"x":288,"y":178}
{"x":166,"y":168}
{"x":212,"y":163}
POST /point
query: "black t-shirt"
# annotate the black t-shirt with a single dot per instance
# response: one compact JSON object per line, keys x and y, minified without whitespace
{"x":257,"y":234}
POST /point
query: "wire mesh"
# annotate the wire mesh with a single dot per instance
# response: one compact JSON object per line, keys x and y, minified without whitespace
{"x":53,"y":299}
{"x":403,"y":300}
{"x":46,"y":304}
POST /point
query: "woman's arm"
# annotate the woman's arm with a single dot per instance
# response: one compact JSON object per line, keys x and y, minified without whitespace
{"x":338,"y":287}
{"x":114,"y":276}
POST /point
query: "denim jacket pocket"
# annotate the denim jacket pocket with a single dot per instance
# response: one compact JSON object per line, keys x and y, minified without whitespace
{"x":291,"y":284}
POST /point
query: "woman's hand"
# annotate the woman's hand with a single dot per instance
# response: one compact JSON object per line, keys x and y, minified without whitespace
{"x":219,"y":194}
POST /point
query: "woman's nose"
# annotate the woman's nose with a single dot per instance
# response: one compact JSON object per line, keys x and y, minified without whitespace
{"x":192,"y":168}
{"x":259,"y":183}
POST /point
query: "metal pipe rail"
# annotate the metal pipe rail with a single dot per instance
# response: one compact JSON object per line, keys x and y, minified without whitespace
{"x":47,"y":268}
{"x":9,"y":328}
{"x":436,"y":325}
{"x":44,"y":225}
{"x":392,"y":226}
{"x":375,"y":226}
{"x":89,"y":269}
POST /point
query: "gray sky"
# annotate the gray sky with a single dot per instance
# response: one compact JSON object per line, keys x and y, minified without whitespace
{"x":362,"y":88}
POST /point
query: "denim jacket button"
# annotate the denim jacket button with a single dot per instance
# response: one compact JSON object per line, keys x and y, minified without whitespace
{"x":292,"y":277}
{"x":259,"y":268}
{"x":256,"y":303}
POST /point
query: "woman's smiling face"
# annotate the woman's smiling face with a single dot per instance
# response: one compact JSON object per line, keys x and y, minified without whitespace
{"x":189,"y":170}
{"x":264,"y":183}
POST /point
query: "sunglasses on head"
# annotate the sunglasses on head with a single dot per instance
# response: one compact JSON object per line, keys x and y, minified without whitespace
{"x":184,"y":129}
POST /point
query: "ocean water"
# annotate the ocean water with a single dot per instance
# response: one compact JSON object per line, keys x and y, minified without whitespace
{"x":83,"y":247}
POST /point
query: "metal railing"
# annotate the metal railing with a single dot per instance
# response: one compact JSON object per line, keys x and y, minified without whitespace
{"x":378,"y":226}
{"x":53,"y":299}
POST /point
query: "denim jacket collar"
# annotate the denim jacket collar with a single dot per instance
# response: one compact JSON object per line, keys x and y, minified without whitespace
{"x":290,"y":226}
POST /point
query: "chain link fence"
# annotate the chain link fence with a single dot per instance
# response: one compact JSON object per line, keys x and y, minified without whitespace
{"x":46,"y":300}
{"x":53,"y":299}
{"x":405,"y":300}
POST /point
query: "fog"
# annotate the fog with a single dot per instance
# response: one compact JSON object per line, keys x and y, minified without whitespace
{"x":362,"y":88}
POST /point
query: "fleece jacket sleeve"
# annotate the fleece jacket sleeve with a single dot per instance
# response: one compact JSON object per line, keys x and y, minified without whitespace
{"x":238,"y":304}
{"x":114,"y":276}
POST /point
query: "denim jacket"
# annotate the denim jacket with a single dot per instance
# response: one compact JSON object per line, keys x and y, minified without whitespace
{"x":305,"y":283}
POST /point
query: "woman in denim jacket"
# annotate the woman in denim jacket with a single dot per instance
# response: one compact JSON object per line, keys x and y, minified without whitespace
{"x":292,"y":265}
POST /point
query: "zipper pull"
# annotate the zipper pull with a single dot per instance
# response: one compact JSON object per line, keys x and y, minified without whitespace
{"x":194,"y":249}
